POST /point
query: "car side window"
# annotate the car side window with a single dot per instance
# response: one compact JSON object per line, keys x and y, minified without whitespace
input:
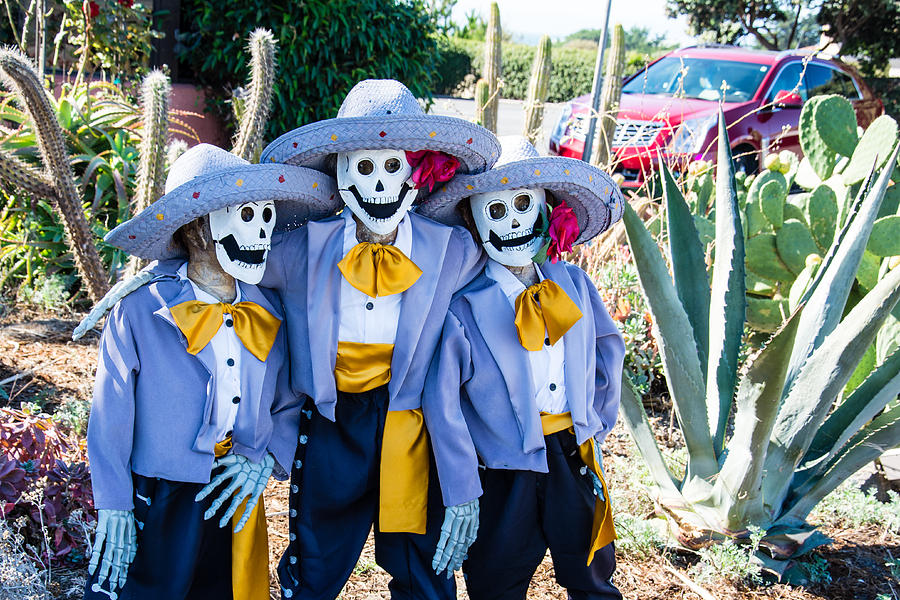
{"x":821,"y":79}
{"x":789,"y":79}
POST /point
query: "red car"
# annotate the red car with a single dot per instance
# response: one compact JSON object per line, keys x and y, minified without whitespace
{"x":672,"y":105}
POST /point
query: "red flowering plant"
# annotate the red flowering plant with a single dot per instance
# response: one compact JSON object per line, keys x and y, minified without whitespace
{"x":562,"y":230}
{"x":431,"y":167}
{"x":49,"y":498}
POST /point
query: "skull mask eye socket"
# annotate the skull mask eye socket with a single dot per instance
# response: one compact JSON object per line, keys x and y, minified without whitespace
{"x":496,"y":210}
{"x":365,"y":167}
{"x":392,"y":165}
{"x":522,"y":202}
{"x":247,"y":214}
{"x":267,"y":214}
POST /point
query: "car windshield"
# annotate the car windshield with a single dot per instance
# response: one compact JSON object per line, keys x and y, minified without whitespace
{"x":701,"y":78}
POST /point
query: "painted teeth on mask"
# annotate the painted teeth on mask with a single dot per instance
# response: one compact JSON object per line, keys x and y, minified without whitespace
{"x":517,"y":234}
{"x":251,"y":254}
{"x":380,"y":199}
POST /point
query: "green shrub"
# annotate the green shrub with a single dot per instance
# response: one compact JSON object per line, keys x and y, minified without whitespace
{"x":324,"y":48}
{"x":454,"y":64}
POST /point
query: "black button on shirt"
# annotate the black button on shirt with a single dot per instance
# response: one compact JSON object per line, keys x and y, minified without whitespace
{"x":230,"y":362}
{"x":229,"y":323}
{"x":236,"y":400}
{"x":369,"y":306}
{"x":546,"y":341}
{"x":552,"y":387}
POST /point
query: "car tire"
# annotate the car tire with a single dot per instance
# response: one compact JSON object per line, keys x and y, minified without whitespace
{"x":746,"y":159}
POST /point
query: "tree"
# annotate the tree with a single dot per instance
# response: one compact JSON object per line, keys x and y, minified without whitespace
{"x":867,"y":29}
{"x":637,"y":39}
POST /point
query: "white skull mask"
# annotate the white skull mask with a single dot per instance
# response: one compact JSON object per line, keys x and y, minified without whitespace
{"x":243,"y":237}
{"x":376,"y":186}
{"x":510,"y":224}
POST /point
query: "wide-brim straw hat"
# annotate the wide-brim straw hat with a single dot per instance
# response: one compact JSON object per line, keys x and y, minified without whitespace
{"x":383,"y":114}
{"x":207,"y":178}
{"x":591,"y":193}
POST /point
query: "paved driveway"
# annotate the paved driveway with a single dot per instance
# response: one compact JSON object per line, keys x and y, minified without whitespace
{"x":511,"y":116}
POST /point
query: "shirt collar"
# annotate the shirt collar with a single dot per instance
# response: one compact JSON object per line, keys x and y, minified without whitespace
{"x":204,"y":296}
{"x":508,"y":282}
{"x":403,"y":242}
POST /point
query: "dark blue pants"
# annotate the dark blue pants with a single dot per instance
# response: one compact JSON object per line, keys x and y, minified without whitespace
{"x":523,"y":513}
{"x":334,"y":503}
{"x":179,"y":555}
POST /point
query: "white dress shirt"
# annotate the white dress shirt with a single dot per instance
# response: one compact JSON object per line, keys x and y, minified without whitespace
{"x":227,"y":348}
{"x":365,"y":319}
{"x":548,"y":365}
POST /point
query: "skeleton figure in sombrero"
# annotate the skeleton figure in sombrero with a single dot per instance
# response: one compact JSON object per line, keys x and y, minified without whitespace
{"x":525,"y":382}
{"x":192,"y":407}
{"x":365,"y":294}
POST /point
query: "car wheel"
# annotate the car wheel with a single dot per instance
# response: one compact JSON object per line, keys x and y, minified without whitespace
{"x":745,"y":159}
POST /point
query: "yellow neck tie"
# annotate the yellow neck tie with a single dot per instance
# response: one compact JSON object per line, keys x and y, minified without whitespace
{"x":378,"y":269}
{"x":544,"y":306}
{"x":253,"y":324}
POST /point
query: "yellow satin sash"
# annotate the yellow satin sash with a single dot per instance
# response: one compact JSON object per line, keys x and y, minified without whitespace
{"x":602,"y":531}
{"x":404,"y":464}
{"x":378,"y":269}
{"x":200,"y":321}
{"x":249,"y":548}
{"x":362,"y":367}
{"x":543,"y":307}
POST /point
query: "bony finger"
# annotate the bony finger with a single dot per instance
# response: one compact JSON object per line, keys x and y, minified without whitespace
{"x":232,"y":508}
{"x":105,"y":566}
{"x":96,"y":551}
{"x":220,"y":500}
{"x":216,"y":482}
{"x":248,"y":512}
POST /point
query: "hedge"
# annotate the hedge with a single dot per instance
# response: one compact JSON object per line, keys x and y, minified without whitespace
{"x":324,"y":48}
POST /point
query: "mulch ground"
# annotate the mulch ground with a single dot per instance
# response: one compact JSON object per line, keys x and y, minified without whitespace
{"x":39,"y":363}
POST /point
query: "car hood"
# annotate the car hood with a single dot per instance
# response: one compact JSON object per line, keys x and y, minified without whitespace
{"x":646,"y":107}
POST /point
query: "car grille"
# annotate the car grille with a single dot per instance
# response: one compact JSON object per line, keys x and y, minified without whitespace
{"x":635,"y":134}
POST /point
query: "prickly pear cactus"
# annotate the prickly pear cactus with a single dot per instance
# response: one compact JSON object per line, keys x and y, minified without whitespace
{"x":874,"y":148}
{"x":835,"y":124}
{"x":821,"y":157}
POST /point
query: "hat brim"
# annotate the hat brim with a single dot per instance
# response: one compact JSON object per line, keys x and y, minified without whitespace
{"x":301,"y":194}
{"x":476,"y":148}
{"x":592,"y":194}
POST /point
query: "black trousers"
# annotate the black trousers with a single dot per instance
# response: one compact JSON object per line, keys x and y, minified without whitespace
{"x":523,"y":513}
{"x":179,"y":555}
{"x":334,"y":503}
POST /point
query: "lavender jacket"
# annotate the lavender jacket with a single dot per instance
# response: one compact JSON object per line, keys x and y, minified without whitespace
{"x":153,"y":402}
{"x":480,"y":393}
{"x":302,"y":266}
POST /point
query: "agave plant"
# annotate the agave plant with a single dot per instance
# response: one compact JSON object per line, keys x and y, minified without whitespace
{"x":789,"y":446}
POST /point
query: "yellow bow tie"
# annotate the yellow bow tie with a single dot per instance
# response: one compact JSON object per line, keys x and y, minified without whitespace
{"x":253,"y":324}
{"x":378,"y":270}
{"x":544,"y":306}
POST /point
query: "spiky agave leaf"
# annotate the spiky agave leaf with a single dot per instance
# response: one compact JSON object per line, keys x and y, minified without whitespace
{"x":677,"y":347}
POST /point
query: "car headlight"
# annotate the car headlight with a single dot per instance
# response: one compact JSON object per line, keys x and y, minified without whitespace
{"x":691,"y":134}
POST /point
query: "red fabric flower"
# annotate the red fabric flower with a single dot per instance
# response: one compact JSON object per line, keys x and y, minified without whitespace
{"x":90,"y":9}
{"x":563,"y":231}
{"x":126,"y":3}
{"x":430,"y":167}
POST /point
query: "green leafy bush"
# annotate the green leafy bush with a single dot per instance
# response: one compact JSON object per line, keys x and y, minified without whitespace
{"x":324,"y":48}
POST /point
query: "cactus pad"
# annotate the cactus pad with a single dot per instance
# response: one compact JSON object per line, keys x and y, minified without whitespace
{"x":867,"y":273}
{"x":822,"y":215}
{"x":821,"y":158}
{"x":763,"y":259}
{"x":771,"y":202}
{"x":795,"y":243}
{"x":765,"y":314}
{"x":885,"y":237}
{"x":835,"y":122}
{"x":759,"y":286}
{"x":874,"y":148}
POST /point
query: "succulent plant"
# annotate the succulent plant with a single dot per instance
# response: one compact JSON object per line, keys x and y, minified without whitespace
{"x":482,"y":95}
{"x":538,"y":89}
{"x":492,"y":66}
{"x":258,"y":101}
{"x":794,"y":438}
{"x":610,"y":97}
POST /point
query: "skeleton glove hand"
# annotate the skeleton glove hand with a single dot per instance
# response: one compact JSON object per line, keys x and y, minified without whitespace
{"x":116,"y":543}
{"x":248,"y":480}
{"x":457,"y":534}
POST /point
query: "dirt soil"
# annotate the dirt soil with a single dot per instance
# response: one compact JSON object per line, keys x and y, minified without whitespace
{"x":40,"y":363}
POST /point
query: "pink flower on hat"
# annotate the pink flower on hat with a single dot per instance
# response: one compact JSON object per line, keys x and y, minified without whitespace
{"x":430,"y":167}
{"x":563,"y":231}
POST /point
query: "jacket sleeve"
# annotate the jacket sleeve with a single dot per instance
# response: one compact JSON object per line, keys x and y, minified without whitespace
{"x":285,"y":422}
{"x":454,"y":451}
{"x":280,"y":260}
{"x":110,"y":434}
{"x":610,"y":348}
{"x":472,"y":257}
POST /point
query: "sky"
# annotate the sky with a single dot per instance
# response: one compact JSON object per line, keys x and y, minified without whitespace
{"x":529,"y":19}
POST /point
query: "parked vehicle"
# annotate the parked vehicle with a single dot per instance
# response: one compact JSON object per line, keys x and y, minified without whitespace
{"x":671,"y":107}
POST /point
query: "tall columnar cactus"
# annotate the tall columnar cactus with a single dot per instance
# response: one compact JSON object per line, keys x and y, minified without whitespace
{"x":538,"y":90}
{"x":258,"y":102}
{"x":610,"y":97}
{"x":482,"y":95}
{"x":491,"y":70}
{"x":794,"y":439}
{"x":20,"y":76}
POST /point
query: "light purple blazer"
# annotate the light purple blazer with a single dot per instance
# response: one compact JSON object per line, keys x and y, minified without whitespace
{"x":153,"y":406}
{"x":302,"y":266}
{"x":479,"y":389}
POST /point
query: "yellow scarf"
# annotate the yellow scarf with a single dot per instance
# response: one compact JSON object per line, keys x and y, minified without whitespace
{"x":543,"y":307}
{"x":253,"y":324}
{"x":378,"y":269}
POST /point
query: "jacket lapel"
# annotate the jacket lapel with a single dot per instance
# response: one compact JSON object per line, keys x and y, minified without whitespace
{"x":495,"y":318}
{"x":429,"y":245}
